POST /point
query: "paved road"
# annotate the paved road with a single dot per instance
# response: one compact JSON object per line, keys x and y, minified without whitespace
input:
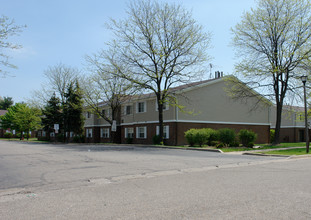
{"x":45,"y":181}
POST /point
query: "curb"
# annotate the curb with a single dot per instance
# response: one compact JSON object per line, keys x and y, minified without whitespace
{"x":180,"y":148}
{"x":265,"y":155}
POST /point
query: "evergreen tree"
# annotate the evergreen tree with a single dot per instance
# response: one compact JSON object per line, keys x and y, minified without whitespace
{"x":52,"y":114}
{"x":6,"y":103}
{"x":73,"y":108}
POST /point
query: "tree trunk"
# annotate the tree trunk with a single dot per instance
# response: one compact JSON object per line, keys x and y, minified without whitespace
{"x":279,"y":107}
{"x":160,"y":111}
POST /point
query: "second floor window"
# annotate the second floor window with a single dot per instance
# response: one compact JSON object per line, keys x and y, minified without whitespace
{"x":141,"y":107}
{"x":128,"y":109}
{"x":88,"y":114}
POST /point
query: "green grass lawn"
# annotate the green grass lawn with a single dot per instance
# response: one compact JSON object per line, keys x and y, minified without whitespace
{"x":263,"y":146}
{"x":17,"y":139}
{"x":297,"y":151}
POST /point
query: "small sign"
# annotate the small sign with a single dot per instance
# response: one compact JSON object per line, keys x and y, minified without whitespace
{"x":14,"y":132}
{"x":114,"y":125}
{"x":56,"y":126}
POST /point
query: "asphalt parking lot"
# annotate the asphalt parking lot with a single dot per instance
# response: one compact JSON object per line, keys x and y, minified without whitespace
{"x":32,"y":165}
{"x":46,"y":181}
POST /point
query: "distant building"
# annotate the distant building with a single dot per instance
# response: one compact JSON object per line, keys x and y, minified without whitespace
{"x":292,"y":124}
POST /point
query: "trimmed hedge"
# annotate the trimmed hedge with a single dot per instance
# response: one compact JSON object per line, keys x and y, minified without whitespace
{"x":201,"y":136}
{"x":247,"y":137}
{"x":220,"y":138}
{"x":190,"y":136}
{"x":226,"y":136}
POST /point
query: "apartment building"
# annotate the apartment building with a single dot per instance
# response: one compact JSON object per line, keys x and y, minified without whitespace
{"x":205,"y":104}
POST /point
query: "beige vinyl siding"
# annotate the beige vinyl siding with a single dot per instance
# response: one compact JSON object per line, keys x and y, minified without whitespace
{"x":290,"y":118}
{"x":151,"y":114}
{"x":212,"y":104}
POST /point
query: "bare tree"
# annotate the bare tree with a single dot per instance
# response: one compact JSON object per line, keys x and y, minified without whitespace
{"x":7,"y":29}
{"x":58,"y":77}
{"x":273,"y":42}
{"x":102,"y":88}
{"x":161,"y":45}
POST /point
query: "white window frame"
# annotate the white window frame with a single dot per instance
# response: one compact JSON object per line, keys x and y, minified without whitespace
{"x":88,"y":115}
{"x":166,"y":131}
{"x":104,"y":132}
{"x":107,"y":112}
{"x":126,"y":132}
{"x":125,"y":110}
{"x":138,"y":134}
{"x":137,"y":107}
{"x":165,"y":104}
{"x":89,"y":132}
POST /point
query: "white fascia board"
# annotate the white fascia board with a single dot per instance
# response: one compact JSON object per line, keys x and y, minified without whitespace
{"x":194,"y":121}
{"x":273,"y":127}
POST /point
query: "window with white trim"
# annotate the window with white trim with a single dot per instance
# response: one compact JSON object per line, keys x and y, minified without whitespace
{"x":141,"y":132}
{"x":106,"y":112}
{"x":129,"y":132}
{"x":128,"y":110}
{"x":165,"y":106}
{"x":89,"y":132}
{"x":141,"y":107}
{"x":88,"y":114}
{"x":104,"y":133}
{"x":166,"y":131}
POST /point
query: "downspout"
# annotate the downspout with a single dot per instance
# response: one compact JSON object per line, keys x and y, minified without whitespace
{"x":176,"y":125}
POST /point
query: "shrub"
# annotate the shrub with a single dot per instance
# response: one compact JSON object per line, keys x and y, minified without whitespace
{"x":129,"y":140}
{"x":272,"y":135}
{"x":60,"y":137}
{"x":247,"y":137}
{"x":235,"y":143}
{"x":226,"y":136}
{"x":79,"y":139}
{"x":190,"y":136}
{"x":156,"y":139}
{"x":8,"y":135}
{"x":212,"y":136}
{"x":201,"y":136}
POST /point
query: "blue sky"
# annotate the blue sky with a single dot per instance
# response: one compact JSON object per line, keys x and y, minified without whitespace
{"x":64,"y":31}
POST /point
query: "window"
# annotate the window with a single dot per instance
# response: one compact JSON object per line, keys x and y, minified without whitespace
{"x":89,"y":132}
{"x":165,"y":106}
{"x":128,"y":110}
{"x":141,"y":132}
{"x":88,"y":115}
{"x":166,"y":131}
{"x":141,"y":107}
{"x":129,"y":132}
{"x":104,"y":132}
{"x":106,"y":112}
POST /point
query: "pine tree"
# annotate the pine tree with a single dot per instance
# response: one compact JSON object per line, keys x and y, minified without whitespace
{"x":73,"y":117}
{"x":52,"y":114}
